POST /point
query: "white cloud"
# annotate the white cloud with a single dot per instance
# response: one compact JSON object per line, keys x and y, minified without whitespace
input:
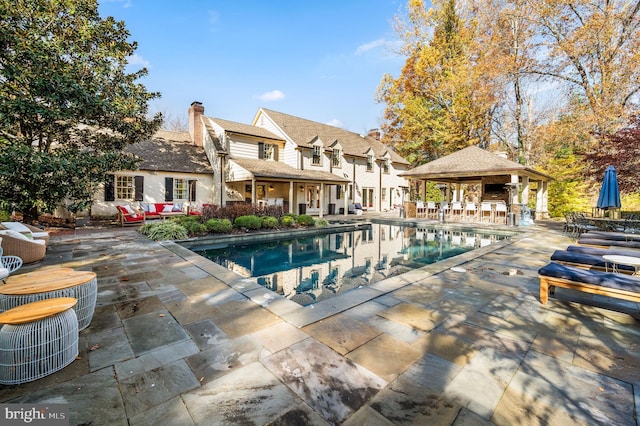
{"x":214,"y":18}
{"x":369,"y":46}
{"x":274,"y":95}
{"x":335,"y":123}
{"x":136,"y":59}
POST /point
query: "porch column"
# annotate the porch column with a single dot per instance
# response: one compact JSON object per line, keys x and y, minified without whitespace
{"x":539,"y":202}
{"x":321,"y":199}
{"x":545,"y":200}
{"x":253,"y":190}
{"x":291,"y":189}
{"x":345,"y":200}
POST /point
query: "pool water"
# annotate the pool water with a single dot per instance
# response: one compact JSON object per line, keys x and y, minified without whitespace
{"x":311,"y":269}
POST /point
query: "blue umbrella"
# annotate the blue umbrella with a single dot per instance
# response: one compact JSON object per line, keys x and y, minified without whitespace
{"x":609,"y":193}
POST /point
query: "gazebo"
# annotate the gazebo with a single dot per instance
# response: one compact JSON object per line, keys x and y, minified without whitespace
{"x":497,"y":178}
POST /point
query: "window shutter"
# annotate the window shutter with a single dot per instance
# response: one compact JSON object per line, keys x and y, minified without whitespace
{"x":109,"y":188}
{"x":192,"y":190}
{"x":275,"y":153}
{"x":139,"y":187}
{"x":261,"y":150}
{"x":168,"y":189}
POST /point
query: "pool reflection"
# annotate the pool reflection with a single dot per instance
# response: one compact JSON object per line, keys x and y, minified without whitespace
{"x":308,"y":270}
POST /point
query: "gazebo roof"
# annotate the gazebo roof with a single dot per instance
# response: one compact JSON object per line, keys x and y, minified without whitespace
{"x":471,"y":163}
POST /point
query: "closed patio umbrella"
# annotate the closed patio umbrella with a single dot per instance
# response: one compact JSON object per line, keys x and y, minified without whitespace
{"x":609,"y":193}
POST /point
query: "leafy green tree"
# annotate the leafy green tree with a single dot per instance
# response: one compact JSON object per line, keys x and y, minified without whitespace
{"x":444,"y":98}
{"x":67,"y":104}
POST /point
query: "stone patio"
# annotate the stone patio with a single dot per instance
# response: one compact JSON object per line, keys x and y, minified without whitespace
{"x":179,"y":340}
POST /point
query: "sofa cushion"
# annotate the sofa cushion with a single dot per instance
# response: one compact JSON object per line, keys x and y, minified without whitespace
{"x":168,"y":208}
{"x":587,"y":276}
{"x":151,"y":208}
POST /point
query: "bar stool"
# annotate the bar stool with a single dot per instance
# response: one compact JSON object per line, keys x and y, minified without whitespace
{"x":37,"y":339}
{"x":47,"y":284}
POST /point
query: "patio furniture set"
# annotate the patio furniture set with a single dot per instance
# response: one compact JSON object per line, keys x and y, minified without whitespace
{"x":604,"y":263}
{"x":486,"y":211}
{"x":128,"y":215}
{"x":42,"y":314}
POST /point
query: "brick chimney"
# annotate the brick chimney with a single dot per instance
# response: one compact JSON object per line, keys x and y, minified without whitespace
{"x":196,"y":110}
{"x":374,"y":133}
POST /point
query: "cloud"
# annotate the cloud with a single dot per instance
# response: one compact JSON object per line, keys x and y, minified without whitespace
{"x":274,"y":95}
{"x":136,"y":59}
{"x":369,"y":46}
{"x":335,"y":123}
{"x":214,"y":18}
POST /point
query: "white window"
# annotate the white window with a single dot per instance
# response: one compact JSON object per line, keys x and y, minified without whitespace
{"x":369,"y":163}
{"x":336,"y":158}
{"x":180,"y":189}
{"x":268,"y":151}
{"x":124,"y":187}
{"x":383,"y":195}
{"x":385,"y":166}
{"x":316,"y":155}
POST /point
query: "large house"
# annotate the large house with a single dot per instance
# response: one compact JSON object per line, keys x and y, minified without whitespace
{"x":278,"y":159}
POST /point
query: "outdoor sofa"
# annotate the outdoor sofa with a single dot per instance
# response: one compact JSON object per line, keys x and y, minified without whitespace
{"x":16,"y":244}
{"x":29,"y":230}
{"x":618,"y":286}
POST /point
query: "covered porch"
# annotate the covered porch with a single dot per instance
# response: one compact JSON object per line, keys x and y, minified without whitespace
{"x":266,"y":183}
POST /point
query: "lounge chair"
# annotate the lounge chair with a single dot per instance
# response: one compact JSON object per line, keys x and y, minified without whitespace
{"x":35,"y":232}
{"x":615,"y":236}
{"x":587,"y":261}
{"x":599,"y":251}
{"x":599,"y":242}
{"x":16,"y":244}
{"x":618,"y":286}
{"x":128,"y":216}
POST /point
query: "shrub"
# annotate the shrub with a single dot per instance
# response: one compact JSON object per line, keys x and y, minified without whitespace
{"x":219,"y":226}
{"x":269,"y":222}
{"x":306,"y":220}
{"x":194,"y":227}
{"x":321,"y":223}
{"x":249,"y":222}
{"x":167,"y":230}
{"x":287,"y":221}
{"x":146,"y":228}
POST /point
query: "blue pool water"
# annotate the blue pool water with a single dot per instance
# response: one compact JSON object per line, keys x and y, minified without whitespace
{"x":310,"y":269}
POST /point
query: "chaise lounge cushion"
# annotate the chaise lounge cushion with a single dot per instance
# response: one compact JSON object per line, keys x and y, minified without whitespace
{"x":586,"y":276}
{"x":608,"y":243}
{"x":599,"y":251}
{"x":596,"y":261}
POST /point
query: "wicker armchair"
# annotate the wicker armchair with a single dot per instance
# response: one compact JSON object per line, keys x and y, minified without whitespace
{"x":36,"y":233}
{"x":10,"y":263}
{"x":15,"y":244}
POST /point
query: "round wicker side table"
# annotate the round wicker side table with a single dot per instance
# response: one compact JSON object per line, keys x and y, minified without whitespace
{"x":37,"y":339}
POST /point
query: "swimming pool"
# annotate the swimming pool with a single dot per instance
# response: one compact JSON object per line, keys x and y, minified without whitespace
{"x":308,"y":270}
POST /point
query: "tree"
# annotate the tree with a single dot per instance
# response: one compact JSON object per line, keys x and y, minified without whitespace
{"x":622,"y":150}
{"x":593,"y":48}
{"x":67,"y":105}
{"x":444,"y":98}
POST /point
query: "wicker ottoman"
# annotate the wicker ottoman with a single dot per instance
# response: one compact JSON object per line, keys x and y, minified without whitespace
{"x":50,"y":283}
{"x":37,"y":339}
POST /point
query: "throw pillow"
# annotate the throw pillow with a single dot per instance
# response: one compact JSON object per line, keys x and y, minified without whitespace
{"x":167,"y":208}
{"x":144,"y":207}
{"x":151,"y":208}
{"x":177,"y":207}
{"x":129,"y":209}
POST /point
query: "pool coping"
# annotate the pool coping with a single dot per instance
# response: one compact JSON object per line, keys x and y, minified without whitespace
{"x":301,"y":316}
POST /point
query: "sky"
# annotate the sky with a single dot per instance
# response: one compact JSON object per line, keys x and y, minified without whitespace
{"x":319,"y":60}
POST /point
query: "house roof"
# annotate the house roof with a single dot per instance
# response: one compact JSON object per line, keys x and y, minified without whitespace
{"x":276,"y":169}
{"x":245,"y":129}
{"x":471,"y":163}
{"x":171,"y":152}
{"x":303,"y":132}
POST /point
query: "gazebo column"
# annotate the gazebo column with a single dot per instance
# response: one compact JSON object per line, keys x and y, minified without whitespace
{"x":456,"y":193}
{"x":545,"y":200}
{"x":525,"y":190}
{"x":539,"y":200}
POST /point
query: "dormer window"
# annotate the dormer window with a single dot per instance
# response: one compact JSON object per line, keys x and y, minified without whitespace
{"x":385,"y":166}
{"x":267,"y":151}
{"x":336,"y":157}
{"x":369,"y":163}
{"x":316,"y":155}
